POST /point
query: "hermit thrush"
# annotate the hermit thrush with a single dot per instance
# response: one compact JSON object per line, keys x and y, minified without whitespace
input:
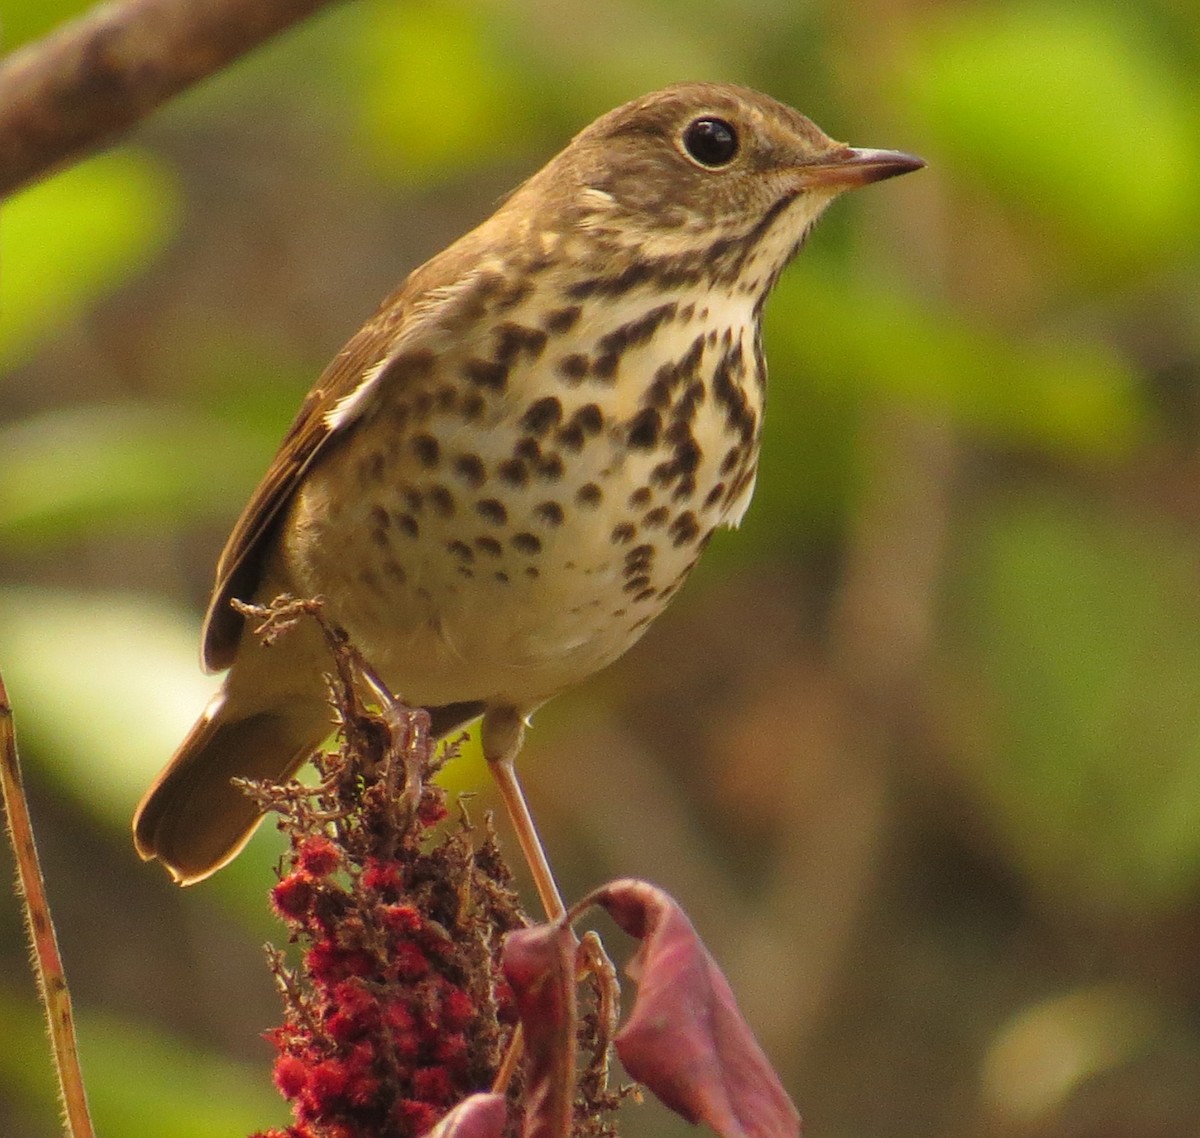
{"x":508,"y":472}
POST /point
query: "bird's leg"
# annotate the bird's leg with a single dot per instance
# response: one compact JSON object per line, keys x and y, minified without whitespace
{"x":502,"y":733}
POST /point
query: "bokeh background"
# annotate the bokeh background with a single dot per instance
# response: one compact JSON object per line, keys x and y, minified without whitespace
{"x":918,"y":748}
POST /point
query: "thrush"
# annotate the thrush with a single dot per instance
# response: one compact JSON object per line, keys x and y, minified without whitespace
{"x":507,"y":473}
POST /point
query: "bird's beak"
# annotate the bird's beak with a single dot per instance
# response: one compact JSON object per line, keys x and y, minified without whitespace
{"x":848,"y":167}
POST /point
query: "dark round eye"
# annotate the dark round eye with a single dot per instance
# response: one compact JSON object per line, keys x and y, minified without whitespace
{"x":711,"y":142}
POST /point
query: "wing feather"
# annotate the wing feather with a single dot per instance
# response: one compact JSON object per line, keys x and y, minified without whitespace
{"x":240,"y":564}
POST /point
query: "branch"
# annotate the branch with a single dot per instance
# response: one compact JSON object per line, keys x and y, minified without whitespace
{"x":83,"y":85}
{"x":47,"y":960}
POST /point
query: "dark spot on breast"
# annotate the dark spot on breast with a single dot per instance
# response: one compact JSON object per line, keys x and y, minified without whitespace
{"x":441,"y":500}
{"x":732,"y":457}
{"x":501,"y":576}
{"x":605,"y":367}
{"x":684,"y":528}
{"x":426,"y":448}
{"x":394,"y":570}
{"x":410,"y":365}
{"x":407,"y":524}
{"x":634,"y":332}
{"x":644,"y":595}
{"x":688,"y":455}
{"x":488,"y":545}
{"x":528,"y":449}
{"x":663,"y":474}
{"x":638,"y":559}
{"x":658,"y":394}
{"x":461,"y":550}
{"x":572,"y":367}
{"x":470,"y":466}
{"x":714,"y":495}
{"x":635,"y":273}
{"x":550,"y":468}
{"x":542,"y":415}
{"x":693,"y":397}
{"x":532,"y":572}
{"x":570,"y":438}
{"x":446,"y":398}
{"x":526,"y":543}
{"x":562,"y":319}
{"x":636,"y":584}
{"x":740,"y":484}
{"x":414,"y":499}
{"x":656,"y":518}
{"x":486,"y":373}
{"x":379,"y":518}
{"x":398,"y":415}
{"x":640,"y":497}
{"x":550,"y":513}
{"x":514,"y":472}
{"x":669,"y":376}
{"x":684,"y":488}
{"x":472,"y":406}
{"x":514,"y":340}
{"x":589,"y":418}
{"x":511,"y":296}
{"x":463,"y":571}
{"x":492,"y":510}
{"x":622,"y":533}
{"x":589,"y":494}
{"x":644,"y":429}
{"x":739,"y":416}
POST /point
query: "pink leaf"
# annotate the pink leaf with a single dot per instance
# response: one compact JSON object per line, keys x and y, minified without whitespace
{"x":539,"y":964}
{"x":686,"y":1040}
{"x":480,"y":1116}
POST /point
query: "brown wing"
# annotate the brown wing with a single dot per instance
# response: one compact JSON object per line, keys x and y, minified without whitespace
{"x":444,"y":291}
{"x":240,"y":564}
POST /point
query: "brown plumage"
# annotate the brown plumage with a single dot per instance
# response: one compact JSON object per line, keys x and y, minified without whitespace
{"x":512,"y":467}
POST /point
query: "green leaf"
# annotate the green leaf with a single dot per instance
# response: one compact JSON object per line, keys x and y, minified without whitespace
{"x":107,"y":684}
{"x":439,"y":94}
{"x":1075,"y":115}
{"x":74,"y":237}
{"x":1075,"y":675}
{"x":848,"y":339}
{"x":26,"y":20}
{"x":141,"y":1083}
{"x":81,"y":469}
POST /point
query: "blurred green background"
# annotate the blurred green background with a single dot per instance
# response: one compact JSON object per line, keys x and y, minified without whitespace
{"x":918,"y":748}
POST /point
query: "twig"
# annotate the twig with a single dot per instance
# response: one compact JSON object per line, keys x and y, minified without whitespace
{"x":83,"y":85}
{"x":47,"y":962}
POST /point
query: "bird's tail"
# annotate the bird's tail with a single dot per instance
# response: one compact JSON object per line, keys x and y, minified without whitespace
{"x":192,"y":818}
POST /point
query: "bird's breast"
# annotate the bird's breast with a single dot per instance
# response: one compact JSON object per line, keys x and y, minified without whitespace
{"x":515,"y":524}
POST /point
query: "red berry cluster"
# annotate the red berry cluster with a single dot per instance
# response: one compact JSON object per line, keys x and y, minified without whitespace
{"x":395,"y":1010}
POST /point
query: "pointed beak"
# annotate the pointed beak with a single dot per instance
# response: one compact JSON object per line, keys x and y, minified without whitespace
{"x":848,"y":167}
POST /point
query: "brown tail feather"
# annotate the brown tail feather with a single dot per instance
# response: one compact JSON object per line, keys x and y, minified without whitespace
{"x":192,"y":819}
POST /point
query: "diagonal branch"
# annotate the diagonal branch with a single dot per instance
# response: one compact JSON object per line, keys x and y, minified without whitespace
{"x":83,"y":85}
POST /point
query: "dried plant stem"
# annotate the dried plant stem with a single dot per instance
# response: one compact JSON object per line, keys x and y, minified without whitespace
{"x":80,"y":87}
{"x":47,"y":962}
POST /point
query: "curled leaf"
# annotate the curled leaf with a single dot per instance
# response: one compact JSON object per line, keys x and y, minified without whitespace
{"x":685,"y":1039}
{"x":480,"y":1116}
{"x":539,"y":964}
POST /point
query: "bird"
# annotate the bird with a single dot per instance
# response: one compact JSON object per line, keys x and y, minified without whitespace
{"x":507,"y":473}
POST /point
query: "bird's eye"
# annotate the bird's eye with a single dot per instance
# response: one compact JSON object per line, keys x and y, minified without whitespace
{"x":711,"y":142}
